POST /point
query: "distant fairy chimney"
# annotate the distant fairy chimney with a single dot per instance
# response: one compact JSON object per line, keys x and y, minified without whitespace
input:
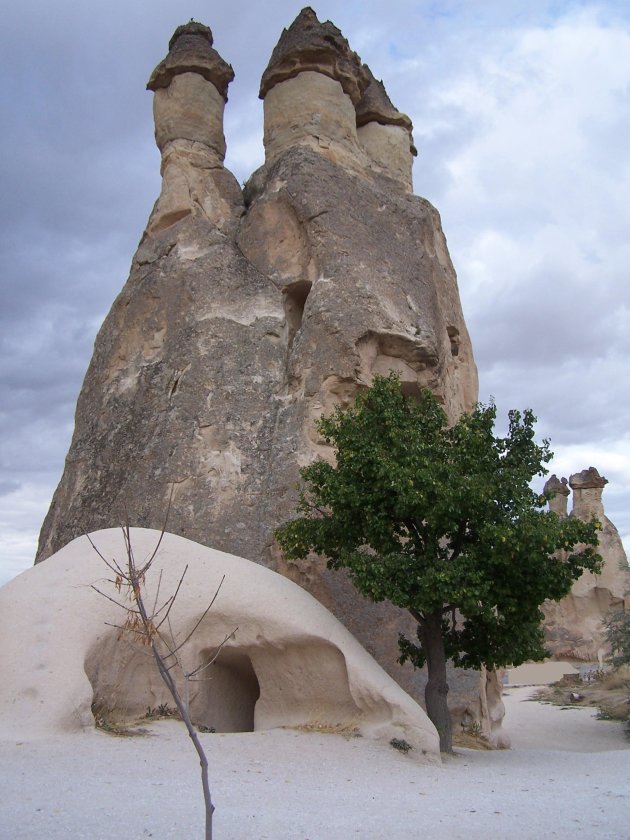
{"x":557,"y":501}
{"x":385,"y":134}
{"x":587,"y":487}
{"x":311,"y":87}
{"x":190,"y":87}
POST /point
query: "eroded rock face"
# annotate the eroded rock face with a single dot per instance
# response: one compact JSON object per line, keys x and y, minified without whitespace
{"x":573,"y":626}
{"x":247,"y":316}
{"x":289,"y":663}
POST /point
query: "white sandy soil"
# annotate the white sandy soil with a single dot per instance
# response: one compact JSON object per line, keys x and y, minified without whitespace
{"x":567,"y":776}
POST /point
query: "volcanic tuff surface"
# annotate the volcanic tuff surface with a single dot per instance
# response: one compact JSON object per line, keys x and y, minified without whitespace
{"x":286,"y":660}
{"x":249,"y":313}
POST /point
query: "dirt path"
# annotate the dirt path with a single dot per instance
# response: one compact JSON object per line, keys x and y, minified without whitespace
{"x":542,"y":726}
{"x":566,"y":777}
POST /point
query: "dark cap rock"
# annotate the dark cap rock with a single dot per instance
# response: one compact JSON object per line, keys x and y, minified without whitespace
{"x":310,"y":45}
{"x":556,"y":486}
{"x":376,"y":106}
{"x":587,"y":479}
{"x":191,"y":51}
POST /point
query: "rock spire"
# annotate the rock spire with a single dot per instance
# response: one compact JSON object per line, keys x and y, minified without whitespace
{"x":308,"y":45}
{"x":190,"y":51}
{"x":317,"y":93}
{"x":190,"y":90}
{"x":587,"y":487}
{"x":558,"y":492}
{"x":385,"y":133}
{"x":573,"y":626}
{"x":250,"y":313}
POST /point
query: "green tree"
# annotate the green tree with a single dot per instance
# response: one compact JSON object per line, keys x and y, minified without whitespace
{"x":441,"y":521}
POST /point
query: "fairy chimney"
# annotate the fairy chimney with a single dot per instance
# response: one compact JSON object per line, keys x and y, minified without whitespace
{"x":311,"y":86}
{"x":250,"y":313}
{"x":190,"y":90}
{"x":385,"y":134}
{"x":573,"y":626}
{"x":557,"y":492}
{"x":587,"y":487}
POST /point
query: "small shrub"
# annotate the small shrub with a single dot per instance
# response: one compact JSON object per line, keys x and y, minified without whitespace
{"x":473,"y":728}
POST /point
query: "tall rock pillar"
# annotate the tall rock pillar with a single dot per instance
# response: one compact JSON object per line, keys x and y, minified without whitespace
{"x":311,"y":87}
{"x":367,"y":285}
{"x":587,"y":487}
{"x":558,"y":492}
{"x":385,"y":134}
{"x":573,"y":626}
{"x":190,"y":87}
{"x":247,"y":315}
{"x":180,"y":393}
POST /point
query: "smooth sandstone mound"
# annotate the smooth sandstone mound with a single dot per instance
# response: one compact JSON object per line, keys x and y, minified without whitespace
{"x":291,"y":663}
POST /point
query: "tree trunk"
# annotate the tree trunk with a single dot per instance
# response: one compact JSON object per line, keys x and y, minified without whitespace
{"x":436,"y":690}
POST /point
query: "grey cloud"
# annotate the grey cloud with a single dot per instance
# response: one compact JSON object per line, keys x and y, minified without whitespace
{"x":8,"y":486}
{"x":80,"y":173}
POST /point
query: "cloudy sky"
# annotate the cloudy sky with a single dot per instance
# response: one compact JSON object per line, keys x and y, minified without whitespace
{"x":522,"y":120}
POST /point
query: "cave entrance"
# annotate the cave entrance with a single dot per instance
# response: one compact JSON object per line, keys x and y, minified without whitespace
{"x":227,"y":694}
{"x":294,"y":302}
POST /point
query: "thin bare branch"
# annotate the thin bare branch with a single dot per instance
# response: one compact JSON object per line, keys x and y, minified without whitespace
{"x":168,"y":645}
{"x":157,"y":594}
{"x":203,"y":615}
{"x":143,"y":626}
{"x":173,"y":596}
{"x":214,"y":657}
{"x":147,"y":564}
{"x":173,"y":641}
{"x":133,"y":569}
{"x":163,"y":607}
{"x":113,"y":566}
{"x":125,"y":607}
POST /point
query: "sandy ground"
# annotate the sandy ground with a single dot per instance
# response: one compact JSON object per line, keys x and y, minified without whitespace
{"x":567,"y":776}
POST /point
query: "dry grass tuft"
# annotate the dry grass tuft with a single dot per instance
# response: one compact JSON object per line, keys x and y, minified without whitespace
{"x":471,"y":741}
{"x":349,"y":728}
{"x":620,"y":678}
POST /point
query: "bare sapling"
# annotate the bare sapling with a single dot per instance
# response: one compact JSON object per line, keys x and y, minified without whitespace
{"x":151,"y":626}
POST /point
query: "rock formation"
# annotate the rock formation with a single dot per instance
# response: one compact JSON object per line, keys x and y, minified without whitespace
{"x":573,"y":626}
{"x":290,"y":662}
{"x":248,"y":314}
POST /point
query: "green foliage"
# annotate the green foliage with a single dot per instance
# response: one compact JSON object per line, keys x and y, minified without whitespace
{"x":441,"y":519}
{"x":618,"y":637}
